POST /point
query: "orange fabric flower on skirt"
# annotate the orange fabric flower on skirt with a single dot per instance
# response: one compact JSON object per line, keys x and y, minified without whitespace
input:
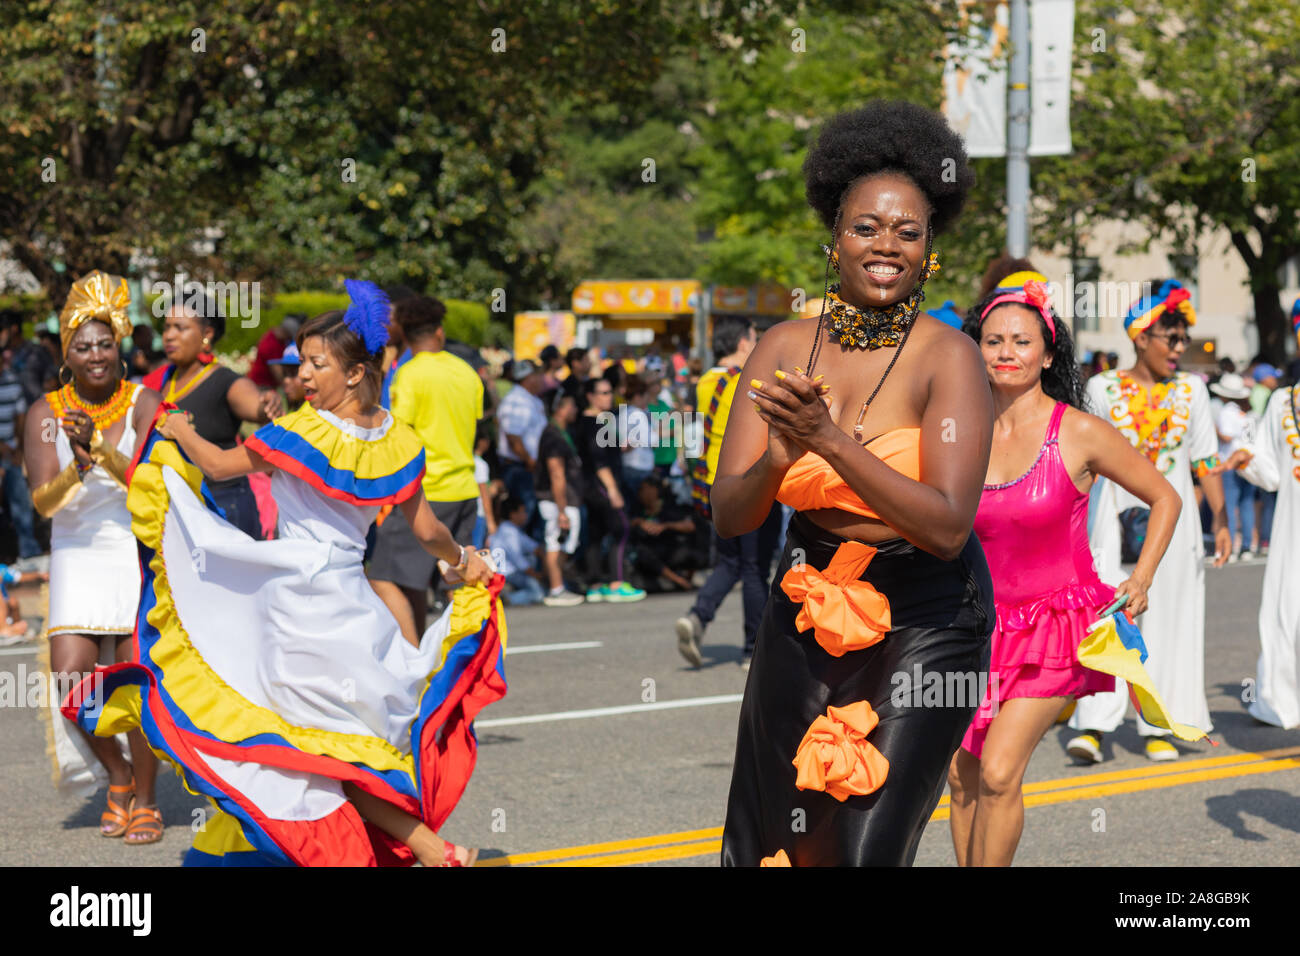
{"x":835,"y":756}
{"x":844,"y":613}
{"x":780,"y":859}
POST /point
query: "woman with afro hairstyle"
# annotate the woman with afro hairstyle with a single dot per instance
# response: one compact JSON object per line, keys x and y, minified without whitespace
{"x":1033,"y":524}
{"x":873,"y":420}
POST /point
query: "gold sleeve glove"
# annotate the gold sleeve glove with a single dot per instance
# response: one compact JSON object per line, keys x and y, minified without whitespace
{"x":114,"y":462}
{"x":58,"y":491}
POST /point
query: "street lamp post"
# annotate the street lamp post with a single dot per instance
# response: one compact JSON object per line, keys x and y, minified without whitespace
{"x":1018,"y":133}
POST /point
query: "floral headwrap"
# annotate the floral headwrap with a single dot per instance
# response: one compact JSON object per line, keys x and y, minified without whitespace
{"x":1026,"y":288}
{"x":1146,"y":311}
{"x":96,"y":296}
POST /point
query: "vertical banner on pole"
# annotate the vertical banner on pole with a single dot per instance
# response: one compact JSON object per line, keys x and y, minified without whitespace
{"x":975,"y":78}
{"x":1051,"y":54}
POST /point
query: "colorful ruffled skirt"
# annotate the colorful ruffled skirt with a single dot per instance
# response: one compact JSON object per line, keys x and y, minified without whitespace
{"x":1035,"y":652}
{"x":865,"y":675}
{"x":270,"y":674}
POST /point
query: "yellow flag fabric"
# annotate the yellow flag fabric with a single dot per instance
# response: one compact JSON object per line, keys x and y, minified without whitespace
{"x":1114,"y":646}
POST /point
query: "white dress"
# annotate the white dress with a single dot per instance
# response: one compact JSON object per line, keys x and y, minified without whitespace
{"x":271,"y":673}
{"x":1173,"y":625}
{"x":94,"y":568}
{"x":94,"y":589}
{"x":1276,"y":467}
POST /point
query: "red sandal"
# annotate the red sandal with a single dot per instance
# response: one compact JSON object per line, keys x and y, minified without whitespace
{"x":116,"y":814}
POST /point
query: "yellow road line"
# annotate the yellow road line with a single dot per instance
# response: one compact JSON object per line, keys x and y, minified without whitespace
{"x":1150,"y":783}
{"x":592,"y":849}
{"x":1155,"y":770}
{"x":693,"y":843}
{"x":679,"y":852}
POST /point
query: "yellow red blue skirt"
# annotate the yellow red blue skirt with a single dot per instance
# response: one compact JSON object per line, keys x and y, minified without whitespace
{"x":270,"y":673}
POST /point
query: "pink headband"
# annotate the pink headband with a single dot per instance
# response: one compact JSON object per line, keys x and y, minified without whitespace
{"x":1034,"y":293}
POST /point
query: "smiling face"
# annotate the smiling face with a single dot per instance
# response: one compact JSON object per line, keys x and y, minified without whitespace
{"x":326,"y":384}
{"x":1014,"y":350}
{"x":92,"y":356}
{"x":881,"y":241}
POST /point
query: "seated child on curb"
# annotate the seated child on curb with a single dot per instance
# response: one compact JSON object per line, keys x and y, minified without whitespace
{"x":516,"y":555}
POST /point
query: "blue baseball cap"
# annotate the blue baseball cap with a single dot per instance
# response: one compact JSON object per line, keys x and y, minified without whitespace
{"x":290,"y":356}
{"x":1267,"y":371}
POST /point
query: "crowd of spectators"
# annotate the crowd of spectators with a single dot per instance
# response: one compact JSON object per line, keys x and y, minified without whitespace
{"x":573,"y":468}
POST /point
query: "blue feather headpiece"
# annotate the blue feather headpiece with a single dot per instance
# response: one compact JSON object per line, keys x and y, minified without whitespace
{"x":367,"y":316}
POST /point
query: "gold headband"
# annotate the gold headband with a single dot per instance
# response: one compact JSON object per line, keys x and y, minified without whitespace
{"x":96,"y":296}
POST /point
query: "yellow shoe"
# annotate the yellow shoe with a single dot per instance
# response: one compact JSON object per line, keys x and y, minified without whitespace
{"x":1159,"y":749}
{"x":1085,"y":748}
{"x":1065,"y":713}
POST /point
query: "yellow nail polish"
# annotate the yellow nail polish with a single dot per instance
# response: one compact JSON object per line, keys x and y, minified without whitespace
{"x":755,"y":383}
{"x":798,"y":369}
{"x":780,"y":374}
{"x":820,"y":377}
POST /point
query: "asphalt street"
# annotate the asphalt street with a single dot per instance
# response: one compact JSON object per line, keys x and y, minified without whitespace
{"x":610,"y":750}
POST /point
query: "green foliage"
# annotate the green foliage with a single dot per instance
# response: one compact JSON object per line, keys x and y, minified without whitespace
{"x":214,"y":138}
{"x":1189,"y":119}
{"x":465,"y":321}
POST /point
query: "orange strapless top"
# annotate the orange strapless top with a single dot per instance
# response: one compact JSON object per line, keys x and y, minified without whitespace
{"x":811,"y":483}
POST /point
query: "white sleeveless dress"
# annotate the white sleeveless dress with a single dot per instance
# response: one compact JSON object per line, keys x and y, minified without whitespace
{"x":94,"y":566}
{"x":94,"y":589}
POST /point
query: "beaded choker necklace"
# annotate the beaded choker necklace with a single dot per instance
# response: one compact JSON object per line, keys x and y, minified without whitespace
{"x":870,"y":328}
{"x":103,"y":414}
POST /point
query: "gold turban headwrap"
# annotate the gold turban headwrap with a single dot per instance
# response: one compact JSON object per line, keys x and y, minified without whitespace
{"x":99,"y":296}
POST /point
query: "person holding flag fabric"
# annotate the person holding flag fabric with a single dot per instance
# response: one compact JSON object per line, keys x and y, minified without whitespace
{"x":1272,"y":461}
{"x":270,"y":672}
{"x":1033,"y":525}
{"x":1166,"y":415}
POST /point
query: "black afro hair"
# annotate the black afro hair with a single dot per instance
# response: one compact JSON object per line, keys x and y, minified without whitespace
{"x":889,"y":136}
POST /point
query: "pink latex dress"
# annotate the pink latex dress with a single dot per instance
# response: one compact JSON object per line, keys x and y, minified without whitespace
{"x":1034,"y":531}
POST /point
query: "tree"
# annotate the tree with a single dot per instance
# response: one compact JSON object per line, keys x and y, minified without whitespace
{"x":761,"y":116}
{"x":1186,"y":118}
{"x":214,"y":138}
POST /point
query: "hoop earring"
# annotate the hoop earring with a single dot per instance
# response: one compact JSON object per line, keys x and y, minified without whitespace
{"x":64,"y":368}
{"x":126,"y":370}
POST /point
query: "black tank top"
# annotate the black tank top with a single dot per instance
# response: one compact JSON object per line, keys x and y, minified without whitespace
{"x":214,"y":419}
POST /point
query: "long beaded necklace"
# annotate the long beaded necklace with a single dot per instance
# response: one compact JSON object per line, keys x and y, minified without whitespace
{"x":103,"y":414}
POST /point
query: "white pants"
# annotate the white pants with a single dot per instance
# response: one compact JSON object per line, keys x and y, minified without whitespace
{"x":550,"y":513}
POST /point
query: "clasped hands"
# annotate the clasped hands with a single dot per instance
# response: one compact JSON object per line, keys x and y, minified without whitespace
{"x":80,"y":429}
{"x":796,"y":409}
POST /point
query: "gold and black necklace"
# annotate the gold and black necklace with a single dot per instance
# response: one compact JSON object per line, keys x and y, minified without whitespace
{"x":870,"y":328}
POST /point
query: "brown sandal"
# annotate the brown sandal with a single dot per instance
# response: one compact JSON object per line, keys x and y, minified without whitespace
{"x":147,"y":821}
{"x":116,"y":814}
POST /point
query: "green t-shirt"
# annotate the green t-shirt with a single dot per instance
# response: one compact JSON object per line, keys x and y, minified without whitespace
{"x":669,"y":433}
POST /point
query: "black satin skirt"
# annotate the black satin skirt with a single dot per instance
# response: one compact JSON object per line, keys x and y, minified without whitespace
{"x":942,"y":616}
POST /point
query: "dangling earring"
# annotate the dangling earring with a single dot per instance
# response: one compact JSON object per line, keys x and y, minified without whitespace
{"x":64,"y":368}
{"x":930,"y":268}
{"x":833,"y":255}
